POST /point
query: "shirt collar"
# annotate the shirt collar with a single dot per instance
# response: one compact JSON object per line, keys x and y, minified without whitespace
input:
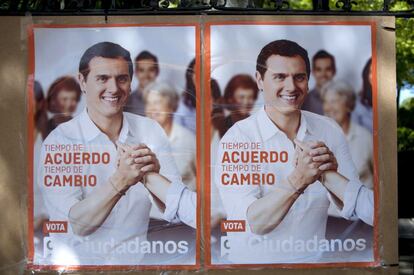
{"x":125,"y":130}
{"x":303,"y":127}
{"x":91,"y":131}
{"x":268,"y":129}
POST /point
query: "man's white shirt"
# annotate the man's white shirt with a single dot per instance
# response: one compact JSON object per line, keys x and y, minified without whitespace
{"x":128,"y":220}
{"x":307,"y":217}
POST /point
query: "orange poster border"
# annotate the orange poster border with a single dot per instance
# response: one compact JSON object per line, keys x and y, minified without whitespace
{"x":207,"y":112}
{"x":30,"y":143}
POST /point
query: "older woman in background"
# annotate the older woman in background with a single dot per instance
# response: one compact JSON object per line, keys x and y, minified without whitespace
{"x":62,"y":99}
{"x":338,"y":103}
{"x":239,"y":97}
{"x":161,"y":102}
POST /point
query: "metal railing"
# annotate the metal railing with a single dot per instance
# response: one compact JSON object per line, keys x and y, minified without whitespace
{"x":131,"y":7}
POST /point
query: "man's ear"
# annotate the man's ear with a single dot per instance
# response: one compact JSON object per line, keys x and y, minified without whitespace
{"x":82,"y":82}
{"x":259,"y":81}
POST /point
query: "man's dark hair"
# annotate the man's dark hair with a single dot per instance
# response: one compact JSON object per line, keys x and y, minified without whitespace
{"x":105,"y":50}
{"x":147,"y":55}
{"x":189,"y":95}
{"x":366,"y":92}
{"x":324,"y":54}
{"x":283,"y":48}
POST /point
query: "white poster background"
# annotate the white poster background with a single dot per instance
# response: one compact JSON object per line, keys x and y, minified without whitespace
{"x":234,"y":48}
{"x":59,"y":50}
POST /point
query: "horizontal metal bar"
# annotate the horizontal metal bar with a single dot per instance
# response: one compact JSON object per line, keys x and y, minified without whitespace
{"x":192,"y":11}
{"x":158,"y":7}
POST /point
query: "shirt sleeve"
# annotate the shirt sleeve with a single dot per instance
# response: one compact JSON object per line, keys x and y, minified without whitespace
{"x":181,"y":204}
{"x":236,"y":198}
{"x":58,"y":199}
{"x":357,"y":203}
{"x":160,"y":145}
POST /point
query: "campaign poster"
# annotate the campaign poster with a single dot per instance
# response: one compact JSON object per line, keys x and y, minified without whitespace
{"x":292,"y":144}
{"x":113,"y":140}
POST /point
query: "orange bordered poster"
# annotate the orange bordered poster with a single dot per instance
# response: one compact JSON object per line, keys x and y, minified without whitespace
{"x":113,"y":138}
{"x":292,"y":143}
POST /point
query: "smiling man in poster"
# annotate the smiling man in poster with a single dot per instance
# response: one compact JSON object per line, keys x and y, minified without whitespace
{"x":279,"y":170}
{"x":94,"y":168}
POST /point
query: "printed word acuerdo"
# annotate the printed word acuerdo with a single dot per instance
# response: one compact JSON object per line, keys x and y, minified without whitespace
{"x":77,"y":158}
{"x":254,"y":157}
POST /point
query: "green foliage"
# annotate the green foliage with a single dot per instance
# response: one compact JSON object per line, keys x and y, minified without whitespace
{"x":405,"y":139}
{"x":405,"y":51}
{"x":371,"y":5}
{"x":168,"y":4}
{"x":405,"y":124}
{"x":361,"y":5}
{"x":400,"y":6}
{"x":408,"y":104}
{"x":405,"y":118}
{"x":301,"y":5}
{"x":297,"y":4}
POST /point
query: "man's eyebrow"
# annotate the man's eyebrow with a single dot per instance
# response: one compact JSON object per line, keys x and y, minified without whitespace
{"x":122,"y":75}
{"x":101,"y":75}
{"x":107,"y":75}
